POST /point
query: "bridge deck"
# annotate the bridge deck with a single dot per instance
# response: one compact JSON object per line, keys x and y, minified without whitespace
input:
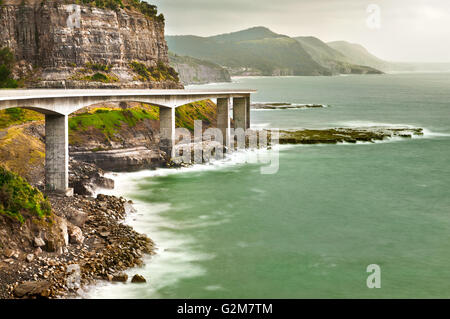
{"x":8,"y":95}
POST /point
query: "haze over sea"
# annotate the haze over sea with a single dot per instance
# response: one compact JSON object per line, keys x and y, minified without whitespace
{"x":310,"y":231}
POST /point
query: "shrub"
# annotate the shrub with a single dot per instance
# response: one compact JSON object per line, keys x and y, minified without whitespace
{"x":98,"y":67}
{"x":161,"y":72}
{"x":17,"y":197}
{"x":141,"y":6}
{"x":7,"y":61}
{"x":99,"y":77}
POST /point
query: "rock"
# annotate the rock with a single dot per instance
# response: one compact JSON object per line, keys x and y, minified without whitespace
{"x":78,"y":218}
{"x":121,"y":277}
{"x":38,"y":251}
{"x":75,"y":235}
{"x":64,"y":231}
{"x":33,"y":289}
{"x":51,"y":246}
{"x":30,"y":258}
{"x":195,"y":71}
{"x":39,"y":242}
{"x":104,"y":234}
{"x":8,"y":253}
{"x":138,"y":279}
{"x":133,"y":158}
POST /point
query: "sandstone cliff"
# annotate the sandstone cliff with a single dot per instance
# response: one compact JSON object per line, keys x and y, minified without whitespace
{"x":196,"y":71}
{"x":64,"y":45}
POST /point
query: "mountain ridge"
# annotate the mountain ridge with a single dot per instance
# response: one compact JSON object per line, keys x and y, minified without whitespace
{"x":260,"y":51}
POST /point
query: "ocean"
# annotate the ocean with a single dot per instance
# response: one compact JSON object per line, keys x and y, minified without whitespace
{"x":224,"y":230}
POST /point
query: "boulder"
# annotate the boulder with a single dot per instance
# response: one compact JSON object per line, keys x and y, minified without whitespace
{"x":51,"y":246}
{"x":8,"y":253}
{"x":33,"y":289}
{"x":78,"y":218}
{"x":138,"y":279}
{"x":29,"y":258}
{"x":39,"y":242}
{"x":64,"y":231}
{"x":75,"y":235}
{"x":121,"y":277}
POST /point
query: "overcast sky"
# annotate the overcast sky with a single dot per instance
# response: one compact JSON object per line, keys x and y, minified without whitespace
{"x":410,"y":30}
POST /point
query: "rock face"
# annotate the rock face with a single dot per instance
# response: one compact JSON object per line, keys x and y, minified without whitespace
{"x":67,"y":43}
{"x":196,"y":71}
{"x":120,"y":160}
{"x":85,"y":177}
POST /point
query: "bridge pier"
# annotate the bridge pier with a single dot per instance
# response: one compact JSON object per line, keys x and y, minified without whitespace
{"x":241,"y":113}
{"x":247,"y":101}
{"x":57,"y":154}
{"x":223,"y":120}
{"x":167,"y":130}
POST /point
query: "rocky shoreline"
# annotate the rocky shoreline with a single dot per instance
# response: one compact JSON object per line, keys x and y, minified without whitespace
{"x":284,"y":106}
{"x":84,"y":240}
{"x":98,"y":246}
{"x":346,"y":135}
{"x":93,"y":243}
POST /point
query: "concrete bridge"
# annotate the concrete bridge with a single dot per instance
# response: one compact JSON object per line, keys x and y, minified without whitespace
{"x":58,"y":104}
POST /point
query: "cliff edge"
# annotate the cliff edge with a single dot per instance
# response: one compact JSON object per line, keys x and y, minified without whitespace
{"x":101,"y":44}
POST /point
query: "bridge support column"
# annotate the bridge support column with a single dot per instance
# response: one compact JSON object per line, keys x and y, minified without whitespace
{"x":248,"y":111}
{"x":167,"y":130}
{"x":57,"y":154}
{"x":240,"y":113}
{"x":223,"y":120}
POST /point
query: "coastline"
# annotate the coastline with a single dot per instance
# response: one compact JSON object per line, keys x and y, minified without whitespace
{"x":110,"y":216}
{"x":166,"y":253}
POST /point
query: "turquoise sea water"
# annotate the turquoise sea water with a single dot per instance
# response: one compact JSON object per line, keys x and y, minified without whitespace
{"x":309,"y":231}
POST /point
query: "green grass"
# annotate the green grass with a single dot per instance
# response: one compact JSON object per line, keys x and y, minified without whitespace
{"x":15,"y":116}
{"x":19,"y":199}
{"x":110,"y":121}
{"x":201,"y":110}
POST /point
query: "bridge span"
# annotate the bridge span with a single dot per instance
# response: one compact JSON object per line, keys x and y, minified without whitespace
{"x":57,"y":105}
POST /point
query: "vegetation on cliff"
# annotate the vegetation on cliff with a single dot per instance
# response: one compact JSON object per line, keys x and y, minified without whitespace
{"x":16,"y":116}
{"x":107,"y":122}
{"x":206,"y":111}
{"x":22,"y":152}
{"x":7,"y":62}
{"x":161,"y":72}
{"x":19,"y":199}
{"x":143,"y":7}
